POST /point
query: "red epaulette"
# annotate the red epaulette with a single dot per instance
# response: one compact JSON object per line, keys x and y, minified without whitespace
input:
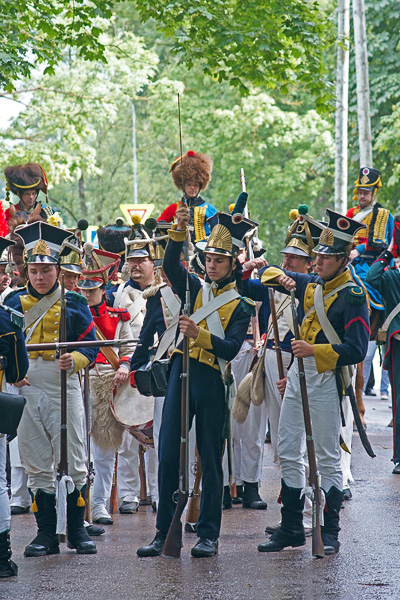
{"x":122,"y":312}
{"x":350,"y":212}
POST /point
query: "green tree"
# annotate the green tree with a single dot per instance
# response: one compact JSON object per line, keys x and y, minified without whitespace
{"x":260,"y":42}
{"x":35,"y":32}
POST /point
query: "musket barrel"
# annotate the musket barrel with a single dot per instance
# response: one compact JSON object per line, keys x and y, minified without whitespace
{"x":317,"y":545}
{"x":76,"y":345}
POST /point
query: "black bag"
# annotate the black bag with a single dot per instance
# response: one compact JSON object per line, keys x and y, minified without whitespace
{"x":152,"y":379}
{"x":11,"y":409}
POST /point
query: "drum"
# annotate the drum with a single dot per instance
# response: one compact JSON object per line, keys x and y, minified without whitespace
{"x":134,"y":412}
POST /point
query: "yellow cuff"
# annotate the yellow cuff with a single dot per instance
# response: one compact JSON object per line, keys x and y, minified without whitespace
{"x":270,"y":274}
{"x":175,"y":235}
{"x":203,"y":340}
{"x":325,"y":357}
{"x":80,"y":361}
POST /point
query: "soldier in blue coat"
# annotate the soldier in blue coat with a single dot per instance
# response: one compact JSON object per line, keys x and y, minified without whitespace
{"x":13,"y":367}
{"x":209,"y":353}
{"x":39,"y":430}
{"x":345,"y":305}
{"x":386,"y":281}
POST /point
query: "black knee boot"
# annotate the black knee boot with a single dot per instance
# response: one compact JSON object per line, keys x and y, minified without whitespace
{"x":78,"y":537}
{"x":330,"y":529}
{"x":251,"y":497}
{"x":46,"y":541}
{"x":291,"y":530}
{"x":8,"y":568}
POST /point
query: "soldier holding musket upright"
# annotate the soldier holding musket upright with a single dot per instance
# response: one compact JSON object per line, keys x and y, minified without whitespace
{"x":39,"y":430}
{"x":334,"y":334}
{"x":214,"y":340}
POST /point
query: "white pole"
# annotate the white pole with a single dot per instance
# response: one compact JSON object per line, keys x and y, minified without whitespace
{"x":342,"y":106}
{"x":363,"y":110}
{"x":135,"y":185}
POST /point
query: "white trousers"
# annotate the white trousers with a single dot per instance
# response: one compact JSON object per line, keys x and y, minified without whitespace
{"x":39,"y":429}
{"x":19,"y":478}
{"x":248,"y":438}
{"x":151,"y":455}
{"x":5,"y":513}
{"x":347,"y":435}
{"x":128,"y":481}
{"x":272,"y":397}
{"x":325,"y":419}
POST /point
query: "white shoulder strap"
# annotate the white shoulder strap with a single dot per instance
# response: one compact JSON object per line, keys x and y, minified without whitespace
{"x":171,"y":300}
{"x":118,"y":295}
{"x":216,"y":303}
{"x":390,"y":317}
{"x":215,"y":326}
{"x":329,"y":295}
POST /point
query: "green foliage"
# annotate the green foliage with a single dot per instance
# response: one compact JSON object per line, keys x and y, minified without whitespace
{"x":260,"y":42}
{"x":78,"y":125}
{"x":34,"y":32}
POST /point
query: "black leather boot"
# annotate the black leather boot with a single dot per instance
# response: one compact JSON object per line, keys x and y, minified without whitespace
{"x":205,"y":547}
{"x":8,"y":568}
{"x":330,"y":529}
{"x":46,"y":541}
{"x":251,"y":497}
{"x":78,"y":537}
{"x":239,"y":495}
{"x":156,"y":546}
{"x":291,"y":530}
{"x":227,"y":498}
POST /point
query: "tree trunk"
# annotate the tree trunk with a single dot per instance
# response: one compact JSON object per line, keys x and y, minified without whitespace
{"x":342,"y":106}
{"x":363,"y":113}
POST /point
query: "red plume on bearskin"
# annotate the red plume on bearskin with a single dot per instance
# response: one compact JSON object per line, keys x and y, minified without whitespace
{"x":3,"y":222}
{"x":396,"y":236}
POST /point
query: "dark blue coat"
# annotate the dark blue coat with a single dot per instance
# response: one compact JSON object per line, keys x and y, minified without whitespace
{"x":15,"y":362}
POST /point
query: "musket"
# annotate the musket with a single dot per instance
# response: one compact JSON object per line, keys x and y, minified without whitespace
{"x":193,"y":510}
{"x":90,"y":468}
{"x":173,"y":541}
{"x":278,"y":349}
{"x":63,"y":464}
{"x":64,"y":345}
{"x":317,"y":545}
{"x":255,"y":327}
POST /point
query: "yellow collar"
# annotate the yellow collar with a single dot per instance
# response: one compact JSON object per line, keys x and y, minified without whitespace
{"x":339,"y":280}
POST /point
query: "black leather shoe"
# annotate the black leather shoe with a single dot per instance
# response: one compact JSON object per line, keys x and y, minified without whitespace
{"x":280,"y":540}
{"x":81,"y":544}
{"x":331,"y":543}
{"x":95,"y":531}
{"x":19,"y":510}
{"x":42,"y":545}
{"x":370,"y":392}
{"x":347,"y":495}
{"x":190,"y":527}
{"x":205,"y":547}
{"x":155,"y":548}
{"x":239,"y":495}
{"x":251,"y":497}
{"x":396,"y":470}
{"x":271,"y":529}
{"x":227,"y":498}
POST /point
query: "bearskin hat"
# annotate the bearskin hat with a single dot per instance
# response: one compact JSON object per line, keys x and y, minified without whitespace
{"x":30,"y":176}
{"x":195,"y":167}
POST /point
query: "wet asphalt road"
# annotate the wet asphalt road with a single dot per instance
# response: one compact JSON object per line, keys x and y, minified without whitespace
{"x":366,"y":568}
